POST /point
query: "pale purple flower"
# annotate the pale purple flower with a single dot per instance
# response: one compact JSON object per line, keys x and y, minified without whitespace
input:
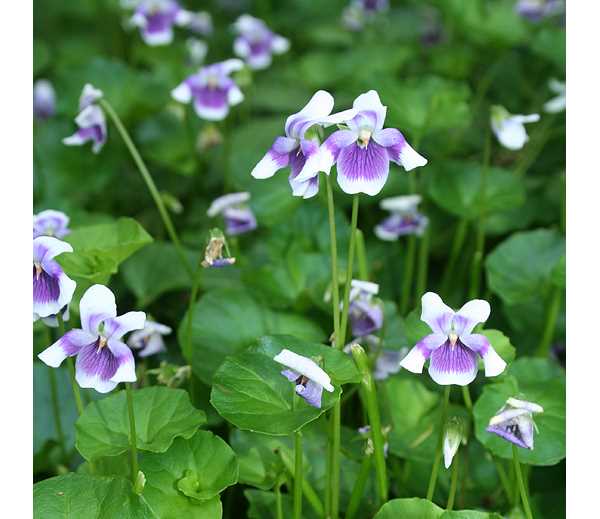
{"x":510,"y":128}
{"x":149,"y":339}
{"x":44,"y":99}
{"x":156,"y":18}
{"x":52,"y":320}
{"x":514,"y":422}
{"x":239,"y":218}
{"x":365,"y":312}
{"x":388,"y":363}
{"x":50,"y":223}
{"x":452,"y":347}
{"x":405,"y":219}
{"x":559,"y":102}
{"x":373,"y":5}
{"x":102,"y":359}
{"x":91,"y":121}
{"x":364,"y":150}
{"x":52,"y":288}
{"x":256,"y":43}
{"x":212,"y":90}
{"x":299,"y":149}
{"x":309,"y":378}
{"x":536,"y":10}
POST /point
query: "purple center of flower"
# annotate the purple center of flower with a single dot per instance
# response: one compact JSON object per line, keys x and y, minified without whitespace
{"x":45,"y":287}
{"x":456,"y":358}
{"x":96,"y":359}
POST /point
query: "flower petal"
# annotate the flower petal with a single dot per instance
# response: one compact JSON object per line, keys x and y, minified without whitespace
{"x":155,"y":344}
{"x":362,"y":169}
{"x":46,"y":248}
{"x":471,"y":313}
{"x":312,"y":392}
{"x":370,"y":102}
{"x":401,"y":204}
{"x":304,"y":366}
{"x":97,"y":303}
{"x":453,"y":365}
{"x":492,"y":362}
{"x":417,"y":356}
{"x":116,"y":327}
{"x":436,"y":313}
{"x":182,"y":93}
{"x":330,"y":149}
{"x":67,"y":346}
{"x":95,"y":367}
{"x":211,"y":103}
{"x":125,"y":363}
{"x":223,"y":202}
{"x":319,"y":106}
{"x":234,"y":95}
{"x":398,"y":149}
{"x":275,"y":159}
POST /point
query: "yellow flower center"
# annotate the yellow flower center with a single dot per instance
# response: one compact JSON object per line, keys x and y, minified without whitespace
{"x":364,"y":136}
{"x":38,"y":270}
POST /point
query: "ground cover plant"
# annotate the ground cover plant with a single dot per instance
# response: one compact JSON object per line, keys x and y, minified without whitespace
{"x":299,"y":259}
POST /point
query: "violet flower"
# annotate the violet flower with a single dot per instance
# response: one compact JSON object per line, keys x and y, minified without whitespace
{"x":102,"y":359}
{"x":365,"y":312}
{"x":537,"y":10}
{"x":44,"y":99}
{"x":309,"y":378}
{"x":404,"y":220}
{"x":52,"y":288}
{"x":239,"y":218}
{"x":50,"y":223}
{"x":299,"y":149}
{"x":212,"y":90}
{"x":149,"y":339}
{"x":256,"y":43}
{"x":514,"y":422}
{"x":156,"y":18}
{"x":558,"y":103}
{"x":452,"y":347}
{"x":510,"y":129}
{"x":388,"y":363}
{"x":91,"y":121}
{"x":364,"y":150}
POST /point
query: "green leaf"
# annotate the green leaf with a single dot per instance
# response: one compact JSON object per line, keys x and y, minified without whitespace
{"x":250,"y":392}
{"x":413,"y":508}
{"x":520,"y":267}
{"x":551,"y":44}
{"x":74,"y":496}
{"x":161,"y":415}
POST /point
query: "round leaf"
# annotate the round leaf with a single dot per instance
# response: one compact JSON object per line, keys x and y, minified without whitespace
{"x":414,"y":508}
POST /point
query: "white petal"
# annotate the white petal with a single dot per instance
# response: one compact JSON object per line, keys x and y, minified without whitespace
{"x":279,"y":45}
{"x":241,"y":47}
{"x":369,"y":101}
{"x":401,"y":204}
{"x":414,"y":361}
{"x":231,"y":65}
{"x":493,"y":363}
{"x":472,"y":313}
{"x":126,"y":370}
{"x":116,"y":327}
{"x":524,"y":404}
{"x":234,"y":96}
{"x":319,"y":106}
{"x":87,"y":381}
{"x":154,"y":39}
{"x":304,"y":366}
{"x":225,"y":201}
{"x":183,"y":93}
{"x":532,"y":118}
{"x":97,"y":304}
{"x":410,"y":159}
{"x":556,"y":105}
{"x":46,"y":248}
{"x":436,"y":313}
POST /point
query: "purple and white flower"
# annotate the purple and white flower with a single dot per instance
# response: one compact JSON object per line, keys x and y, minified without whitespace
{"x":514,"y":422}
{"x":91,"y":121}
{"x":256,"y":43}
{"x":102,"y":359}
{"x":149,"y":339}
{"x":510,"y":128}
{"x":299,"y":149}
{"x":359,"y":12}
{"x":452,"y":347}
{"x":212,"y":90}
{"x":364,"y":150}
{"x":388,"y":363}
{"x":309,"y":378}
{"x":239,"y":218}
{"x":44,"y":99}
{"x":365,"y":312}
{"x":156,"y":18}
{"x":52,"y":288}
{"x":50,"y":223}
{"x":536,"y":10}
{"x":558,"y":103}
{"x":404,"y":220}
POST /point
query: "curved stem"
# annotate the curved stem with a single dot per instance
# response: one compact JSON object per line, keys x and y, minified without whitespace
{"x":543,"y":348}
{"x":438,"y":454}
{"x":453,"y":481}
{"x":521,"y":483}
{"x":149,"y":184}
{"x":359,"y":487}
{"x":132,"y":434}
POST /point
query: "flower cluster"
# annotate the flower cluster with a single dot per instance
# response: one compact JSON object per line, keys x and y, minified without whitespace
{"x":91,"y":121}
{"x":404,"y":219}
{"x":256,"y":43}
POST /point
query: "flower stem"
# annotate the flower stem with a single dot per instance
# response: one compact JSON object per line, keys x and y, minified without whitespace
{"x":193,"y":295}
{"x":503,"y":479}
{"x":457,"y":244}
{"x":543,"y":348}
{"x":453,"y":482}
{"x":522,"y":489}
{"x":423,"y":265}
{"x":56,"y":412}
{"x":149,"y":184}
{"x":361,"y":256}
{"x":359,"y":487}
{"x":278,"y":502}
{"x":438,"y":455}
{"x":132,"y":434}
{"x":467,"y":398}
{"x":71,"y":366}
{"x":370,"y":393}
{"x":349,"y":272}
{"x":407,"y":276}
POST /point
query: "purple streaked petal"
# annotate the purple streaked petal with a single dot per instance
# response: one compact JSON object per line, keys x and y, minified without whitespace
{"x":515,"y":431}
{"x":398,"y":225}
{"x":369,"y":102}
{"x":211,"y":103}
{"x":95,"y":366}
{"x":97,"y":304}
{"x":67,"y":346}
{"x":388,"y":137}
{"x":125,"y":363}
{"x":312,"y":392}
{"x":306,"y":189}
{"x":276,"y":158}
{"x":492,"y":362}
{"x":52,"y":289}
{"x":50,"y":223}
{"x":453,"y":364}
{"x":417,"y":356}
{"x":471,"y":313}
{"x":116,"y":327}
{"x":362,"y":169}
{"x":365,"y":318}
{"x":435,"y":313}
{"x":239,"y":220}
{"x":319,"y":107}
{"x":45,"y":287}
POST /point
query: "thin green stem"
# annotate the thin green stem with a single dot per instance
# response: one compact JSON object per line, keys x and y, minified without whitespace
{"x":521,"y":483}
{"x":503,"y":479}
{"x":457,"y":244}
{"x":543,"y":348}
{"x":467,"y":398}
{"x":335,"y":290}
{"x":349,"y":272}
{"x":359,"y":487}
{"x":298,"y":475}
{"x":164,"y":214}
{"x":56,"y":412}
{"x":453,"y":482}
{"x":278,"y":502}
{"x":361,"y":256}
{"x":71,"y":366}
{"x":407,"y":276}
{"x":192,"y":302}
{"x":422,"y":265}
{"x":132,"y":434}
{"x":438,"y":454}
{"x":307,"y":490}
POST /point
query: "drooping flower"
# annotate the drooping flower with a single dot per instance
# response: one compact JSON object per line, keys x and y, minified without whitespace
{"x":149,"y":339}
{"x":510,"y":129}
{"x":91,"y":121}
{"x":102,"y":359}
{"x":309,"y":378}
{"x":365,"y":312}
{"x":52,"y":288}
{"x":44,"y":99}
{"x":156,"y":18}
{"x":364,"y":150}
{"x":50,"y":223}
{"x":238,"y":217}
{"x":213,"y":254}
{"x":212,"y":90}
{"x":256,"y":43}
{"x":454,"y":435}
{"x":558,"y":103}
{"x":536,"y":10}
{"x":299,"y":149}
{"x":452,"y":347}
{"x":405,"y":218}
{"x":514,"y":422}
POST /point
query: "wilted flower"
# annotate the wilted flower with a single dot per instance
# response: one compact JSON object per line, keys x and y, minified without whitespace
{"x":452,"y":347}
{"x":44,"y":99}
{"x":150,"y":339}
{"x":309,"y":378}
{"x":50,"y":223}
{"x":52,"y":288}
{"x":213,"y":254}
{"x":170,"y":374}
{"x":256,"y":43}
{"x":454,"y":435}
{"x":238,"y":217}
{"x":197,"y":50}
{"x":509,"y":128}
{"x":405,"y":218}
{"x":536,"y":10}
{"x":365,"y":312}
{"x":299,"y":149}
{"x":212,"y":90}
{"x":156,"y":18}
{"x":514,"y":422}
{"x":91,"y":121}
{"x":363,"y":151}
{"x":102,"y":359}
{"x":558,"y":103}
